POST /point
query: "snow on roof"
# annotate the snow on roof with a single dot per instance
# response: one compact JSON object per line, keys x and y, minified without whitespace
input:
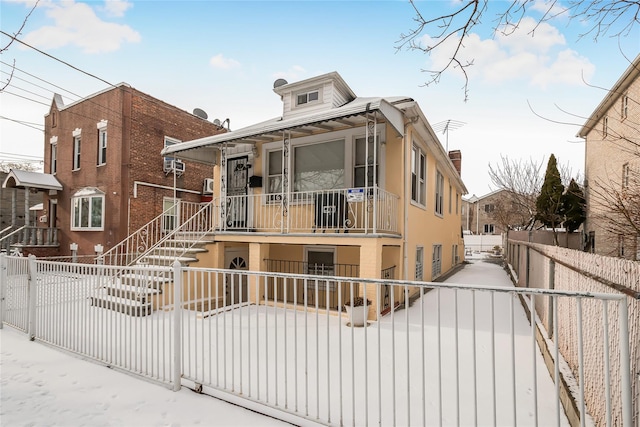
{"x":25,"y":179}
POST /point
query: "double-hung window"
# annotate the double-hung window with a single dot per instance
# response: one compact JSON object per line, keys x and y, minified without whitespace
{"x":436,"y":262}
{"x":605,"y":126}
{"x":102,"y":143}
{"x":77,"y":141}
{"x":418,"y":175}
{"x":319,"y":166}
{"x":439,"y":192}
{"x":624,"y":108}
{"x":53,"y":165}
{"x":419,"y":263}
{"x":87,"y":209}
{"x":274,"y":172}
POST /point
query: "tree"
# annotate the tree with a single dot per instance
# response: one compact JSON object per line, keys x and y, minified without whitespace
{"x":5,"y":167}
{"x":450,"y":31}
{"x":549,"y":201}
{"x":11,"y":40}
{"x":573,"y":207}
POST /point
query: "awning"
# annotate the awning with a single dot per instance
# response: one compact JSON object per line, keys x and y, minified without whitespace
{"x":352,"y":114}
{"x":28,"y":180}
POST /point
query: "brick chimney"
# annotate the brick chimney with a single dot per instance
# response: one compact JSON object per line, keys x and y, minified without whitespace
{"x":456,"y":159}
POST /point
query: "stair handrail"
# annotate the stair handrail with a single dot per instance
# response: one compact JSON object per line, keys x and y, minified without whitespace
{"x":5,"y":230}
{"x":125,"y":252}
{"x":5,"y":239}
{"x":193,"y":227}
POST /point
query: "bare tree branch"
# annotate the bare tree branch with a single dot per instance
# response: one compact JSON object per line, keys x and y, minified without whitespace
{"x":11,"y":40}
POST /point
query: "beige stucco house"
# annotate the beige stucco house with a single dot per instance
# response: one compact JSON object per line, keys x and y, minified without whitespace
{"x":336,"y":184}
{"x":612,"y":168}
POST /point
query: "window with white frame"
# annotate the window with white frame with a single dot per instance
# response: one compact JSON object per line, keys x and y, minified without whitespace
{"x":319,"y":166}
{"x":171,"y":164}
{"x":419,"y":263}
{"x":87,"y":210}
{"x":454,"y":255}
{"x":77,"y":141}
{"x":418,"y":175}
{"x":488,"y":229}
{"x":436,"y":263}
{"x":624,"y":108}
{"x":625,"y":175}
{"x":309,"y":97}
{"x":274,"y":171}
{"x":53,"y":165}
{"x":170,"y":208}
{"x":102,"y":143}
{"x":362,"y":174}
{"x":439,"y":192}
{"x":450,"y":197}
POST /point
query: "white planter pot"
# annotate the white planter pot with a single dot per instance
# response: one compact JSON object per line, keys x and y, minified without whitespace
{"x":357,"y":315}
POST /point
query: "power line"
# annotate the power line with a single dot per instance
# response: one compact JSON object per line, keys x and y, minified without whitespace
{"x":56,"y":59}
{"x":24,"y":97}
{"x":35,"y":77}
{"x":21,"y":155}
{"x":23,"y":123}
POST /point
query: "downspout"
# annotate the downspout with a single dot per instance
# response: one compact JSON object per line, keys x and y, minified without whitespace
{"x":405,"y":231}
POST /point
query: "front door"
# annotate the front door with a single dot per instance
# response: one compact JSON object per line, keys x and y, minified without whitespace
{"x":237,"y":178}
{"x":236,"y":284}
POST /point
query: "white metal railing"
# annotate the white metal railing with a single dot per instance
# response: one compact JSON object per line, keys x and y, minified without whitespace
{"x":139,"y":242}
{"x":312,"y":211}
{"x":459,"y":354}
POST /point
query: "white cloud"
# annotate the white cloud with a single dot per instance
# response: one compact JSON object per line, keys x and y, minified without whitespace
{"x":540,"y":59}
{"x":294,"y":73}
{"x":116,"y":8}
{"x":222,"y":63}
{"x":77,"y":24}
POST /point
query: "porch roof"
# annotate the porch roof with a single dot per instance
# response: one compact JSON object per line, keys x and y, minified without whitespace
{"x":352,"y":114}
{"x":26,"y":179}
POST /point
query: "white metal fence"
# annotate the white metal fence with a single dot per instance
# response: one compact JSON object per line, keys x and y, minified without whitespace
{"x":459,"y":355}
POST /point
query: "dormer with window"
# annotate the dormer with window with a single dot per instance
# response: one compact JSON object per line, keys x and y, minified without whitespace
{"x":316,"y":94}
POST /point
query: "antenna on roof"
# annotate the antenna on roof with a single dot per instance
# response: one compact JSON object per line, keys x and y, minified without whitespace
{"x":200,"y":113}
{"x":279,"y":82}
{"x":446,"y":126}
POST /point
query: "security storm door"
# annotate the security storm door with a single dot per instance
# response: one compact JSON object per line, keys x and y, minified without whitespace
{"x":237,"y":176}
{"x":236,"y":290}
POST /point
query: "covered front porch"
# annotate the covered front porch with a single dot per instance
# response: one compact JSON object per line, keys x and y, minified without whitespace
{"x":39,"y":234}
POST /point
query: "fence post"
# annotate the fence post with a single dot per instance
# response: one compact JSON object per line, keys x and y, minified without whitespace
{"x":32,"y":289}
{"x":4,"y":276}
{"x":552,"y":285}
{"x":625,"y":368}
{"x":177,"y":326}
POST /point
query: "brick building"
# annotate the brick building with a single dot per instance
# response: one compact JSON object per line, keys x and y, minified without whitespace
{"x":612,"y":169}
{"x":105,"y":151}
{"x":486,"y":214}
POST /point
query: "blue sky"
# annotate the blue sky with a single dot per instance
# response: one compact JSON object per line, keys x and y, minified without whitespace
{"x":223,"y":57}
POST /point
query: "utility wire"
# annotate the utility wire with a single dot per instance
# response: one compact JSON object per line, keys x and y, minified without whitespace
{"x":56,"y":59}
{"x":24,"y":97}
{"x":28,"y":124}
{"x":38,"y":78}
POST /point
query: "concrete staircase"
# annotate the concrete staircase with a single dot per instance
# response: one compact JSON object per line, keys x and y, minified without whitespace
{"x":141,"y":294}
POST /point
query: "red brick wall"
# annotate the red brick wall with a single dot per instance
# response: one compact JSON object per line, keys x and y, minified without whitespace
{"x":137,"y":124}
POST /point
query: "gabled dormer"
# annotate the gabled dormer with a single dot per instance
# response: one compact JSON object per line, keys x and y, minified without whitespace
{"x":315,"y":94}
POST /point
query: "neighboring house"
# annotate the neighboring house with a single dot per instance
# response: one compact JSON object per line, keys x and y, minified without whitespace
{"x":486,"y":214}
{"x":612,"y":169}
{"x":12,"y":202}
{"x":337,"y":185}
{"x":104,"y":150}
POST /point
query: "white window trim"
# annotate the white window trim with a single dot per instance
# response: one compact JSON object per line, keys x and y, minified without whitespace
{"x":420,"y":262}
{"x":307,"y":92}
{"x":423,"y":151}
{"x":329,"y":249}
{"x":53,"y":160}
{"x":348,"y":135}
{"x":439,"y":194}
{"x":102,"y":149}
{"x":77,"y":151}
{"x":436,"y":263}
{"x":87,"y":193}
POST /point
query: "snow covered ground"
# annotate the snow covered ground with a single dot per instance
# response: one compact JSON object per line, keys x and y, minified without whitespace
{"x":41,"y":386}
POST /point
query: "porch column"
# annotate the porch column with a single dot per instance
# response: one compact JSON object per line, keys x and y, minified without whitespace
{"x":26,"y":206}
{"x":223,"y":188}
{"x":370,"y":267}
{"x":258,"y":253}
{"x":14,"y":207}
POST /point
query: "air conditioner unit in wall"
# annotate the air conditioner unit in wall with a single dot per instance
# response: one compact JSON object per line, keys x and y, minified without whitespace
{"x":207,"y":188}
{"x":171,"y":165}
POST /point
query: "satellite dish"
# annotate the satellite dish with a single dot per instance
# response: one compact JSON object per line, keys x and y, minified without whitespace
{"x":216,"y":122}
{"x":200,"y":113}
{"x":279,"y":82}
